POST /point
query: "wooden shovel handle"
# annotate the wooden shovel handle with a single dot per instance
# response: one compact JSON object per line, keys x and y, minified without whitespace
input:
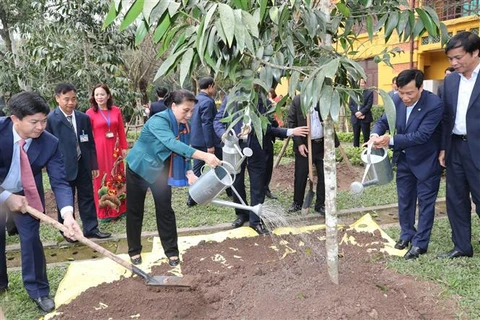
{"x":345,"y":158}
{"x":282,"y":152}
{"x":80,"y":237}
{"x":309,"y":144}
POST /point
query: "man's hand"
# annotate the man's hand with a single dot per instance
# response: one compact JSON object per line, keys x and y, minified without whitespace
{"x":245,"y":131}
{"x":300,"y":131}
{"x":17,"y":203}
{"x":211,"y":150}
{"x":211,"y":160}
{"x":303,"y":150}
{"x":358,"y":115}
{"x":72,"y":226}
{"x":378,"y":142}
{"x":95,"y":174}
{"x":441,"y":158}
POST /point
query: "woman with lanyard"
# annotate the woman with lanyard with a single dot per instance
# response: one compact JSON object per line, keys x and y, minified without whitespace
{"x":111,"y":146}
{"x":159,"y":160}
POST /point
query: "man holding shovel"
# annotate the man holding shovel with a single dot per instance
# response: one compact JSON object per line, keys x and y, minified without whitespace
{"x":25,"y":150}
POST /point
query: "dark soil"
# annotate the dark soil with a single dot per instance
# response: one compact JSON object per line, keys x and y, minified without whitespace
{"x":248,"y":279}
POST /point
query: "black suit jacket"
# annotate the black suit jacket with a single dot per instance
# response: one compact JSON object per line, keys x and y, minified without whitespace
{"x":156,"y":107}
{"x":449,"y":97}
{"x":364,"y":108}
{"x":58,"y":125}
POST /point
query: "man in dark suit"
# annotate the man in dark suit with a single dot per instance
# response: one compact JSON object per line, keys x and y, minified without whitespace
{"x":255,"y":164}
{"x":300,"y":147}
{"x":74,"y":132}
{"x":159,"y":105}
{"x":461,"y":139}
{"x":25,"y":127}
{"x":361,"y":115}
{"x":440,"y":88}
{"x":416,"y":145}
{"x":394,"y":91}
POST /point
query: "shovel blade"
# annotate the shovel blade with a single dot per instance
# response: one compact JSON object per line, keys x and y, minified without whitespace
{"x":170,"y":281}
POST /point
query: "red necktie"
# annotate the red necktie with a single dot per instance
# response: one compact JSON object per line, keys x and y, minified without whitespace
{"x":28,"y":182}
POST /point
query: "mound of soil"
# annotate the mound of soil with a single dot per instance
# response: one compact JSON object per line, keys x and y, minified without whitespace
{"x":278,"y":277}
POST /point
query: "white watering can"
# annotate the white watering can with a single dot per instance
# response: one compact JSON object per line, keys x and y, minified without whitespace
{"x":232,"y":153}
{"x":378,"y":169}
{"x":213,"y":182}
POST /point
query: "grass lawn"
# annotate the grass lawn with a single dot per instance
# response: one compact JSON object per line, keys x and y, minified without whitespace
{"x":458,"y":277}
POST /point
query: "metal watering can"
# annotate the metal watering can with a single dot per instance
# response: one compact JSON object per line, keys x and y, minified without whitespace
{"x":378,"y":170}
{"x":232,"y":154}
{"x":213,"y":182}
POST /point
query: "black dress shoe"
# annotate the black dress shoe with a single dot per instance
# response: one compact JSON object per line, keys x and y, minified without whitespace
{"x":98,"y":234}
{"x":173,"y":262}
{"x":270,"y":195}
{"x":260,"y":229}
{"x":401,"y":244}
{"x":136,"y":261}
{"x":414,"y":253}
{"x":45,"y":303}
{"x":240,"y":221}
{"x":453,"y":254}
{"x":320,"y":210}
{"x":294,"y":208}
{"x":191,"y":202}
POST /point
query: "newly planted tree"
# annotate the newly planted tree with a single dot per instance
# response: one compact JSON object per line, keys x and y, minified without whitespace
{"x":257,"y":42}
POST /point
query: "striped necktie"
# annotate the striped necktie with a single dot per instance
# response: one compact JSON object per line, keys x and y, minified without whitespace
{"x":28,"y":182}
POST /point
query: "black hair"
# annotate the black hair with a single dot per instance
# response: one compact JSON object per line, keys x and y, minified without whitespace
{"x":63,"y":88}
{"x":406,"y":76}
{"x":394,"y":79}
{"x":467,"y":40}
{"x":205,"y":82}
{"x":179,"y":96}
{"x":161,"y":92}
{"x":27,"y":103}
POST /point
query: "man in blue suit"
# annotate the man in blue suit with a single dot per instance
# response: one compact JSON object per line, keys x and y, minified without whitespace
{"x":73,"y":129}
{"x":26,"y":125}
{"x":159,"y":105}
{"x":461,"y":139}
{"x":416,"y":146}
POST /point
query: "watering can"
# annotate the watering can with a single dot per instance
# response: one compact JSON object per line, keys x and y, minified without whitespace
{"x":232,"y":154}
{"x":212,"y":182}
{"x":378,"y":170}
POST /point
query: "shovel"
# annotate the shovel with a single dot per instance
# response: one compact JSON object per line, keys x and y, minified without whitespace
{"x":172,"y":281}
{"x":282,"y":152}
{"x":310,"y":193}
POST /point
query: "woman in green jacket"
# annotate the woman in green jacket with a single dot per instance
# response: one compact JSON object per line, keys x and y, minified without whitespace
{"x":159,"y":160}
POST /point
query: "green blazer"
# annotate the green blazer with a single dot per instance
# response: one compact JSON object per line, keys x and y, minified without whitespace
{"x":154,"y":146}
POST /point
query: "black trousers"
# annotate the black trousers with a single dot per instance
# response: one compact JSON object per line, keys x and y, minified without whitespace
{"x":365,"y":128}
{"x":86,"y":206}
{"x":301,"y":174}
{"x":166,"y":222}
{"x":269,"y":164}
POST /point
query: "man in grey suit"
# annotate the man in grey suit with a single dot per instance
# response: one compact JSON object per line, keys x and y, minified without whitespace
{"x":460,"y":152}
{"x":74,"y":132}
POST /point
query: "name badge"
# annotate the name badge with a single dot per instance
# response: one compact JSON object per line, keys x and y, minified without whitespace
{"x":109,"y":134}
{"x":84,"y":138}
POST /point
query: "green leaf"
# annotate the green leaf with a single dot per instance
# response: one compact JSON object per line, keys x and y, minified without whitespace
{"x":392,"y":22}
{"x":173,"y":8}
{"x":331,"y":68}
{"x":343,"y":9}
{"x":273,"y":13}
{"x":132,"y":14}
{"x":263,"y":8}
{"x":335,"y":106}
{"x":239,"y":31}
{"x":389,"y":108}
{"x":148,"y":7}
{"x":325,"y":101}
{"x":380,"y":23}
{"x":419,"y":28}
{"x":201,"y":39}
{"x":444,"y":31}
{"x":111,"y":15}
{"x":141,"y":32}
{"x":185,"y":65}
{"x":433,"y":15}
{"x":293,"y":82}
{"x":251,"y":23}
{"x":161,"y":28}
{"x":227,"y":20}
{"x":166,"y":66}
{"x":402,"y":23}
{"x":427,"y":22}
{"x":370,"y":27}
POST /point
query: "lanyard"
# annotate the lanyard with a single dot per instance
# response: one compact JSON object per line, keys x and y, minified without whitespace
{"x":108,"y":120}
